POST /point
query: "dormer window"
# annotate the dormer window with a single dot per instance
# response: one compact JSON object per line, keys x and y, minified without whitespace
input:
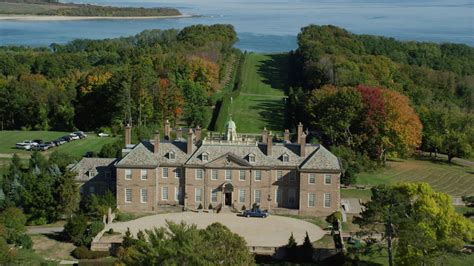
{"x":171,"y":155}
{"x":252,"y":158}
{"x":285,"y":158}
{"x":205,"y":156}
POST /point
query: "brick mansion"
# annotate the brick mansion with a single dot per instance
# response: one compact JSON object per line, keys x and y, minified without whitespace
{"x":227,"y":168}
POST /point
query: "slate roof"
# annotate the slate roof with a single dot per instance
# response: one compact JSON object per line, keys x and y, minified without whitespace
{"x":86,"y":164}
{"x":321,"y":159}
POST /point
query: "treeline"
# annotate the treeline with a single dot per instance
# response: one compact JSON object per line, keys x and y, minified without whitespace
{"x":368,"y":93}
{"x":110,"y":11}
{"x":89,"y":84}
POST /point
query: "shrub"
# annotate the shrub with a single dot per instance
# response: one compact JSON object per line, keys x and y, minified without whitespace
{"x":24,"y":241}
{"x":75,"y":230}
{"x":200,"y":206}
{"x":110,"y":231}
{"x":333,"y":218}
{"x":244,"y":208}
{"x":84,"y":253}
{"x":14,"y":221}
{"x":210,"y":207}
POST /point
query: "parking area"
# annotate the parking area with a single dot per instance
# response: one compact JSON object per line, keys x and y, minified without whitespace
{"x":273,"y":231}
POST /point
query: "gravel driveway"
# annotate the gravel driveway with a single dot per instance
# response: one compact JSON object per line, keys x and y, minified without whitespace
{"x":273,"y":231}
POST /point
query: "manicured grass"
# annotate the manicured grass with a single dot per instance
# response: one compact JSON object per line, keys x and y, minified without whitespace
{"x":49,"y":247}
{"x":264,"y":74}
{"x":363,"y":194}
{"x":75,"y":148}
{"x":449,"y":178}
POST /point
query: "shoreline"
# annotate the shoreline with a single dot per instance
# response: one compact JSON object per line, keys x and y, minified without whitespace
{"x":66,"y":18}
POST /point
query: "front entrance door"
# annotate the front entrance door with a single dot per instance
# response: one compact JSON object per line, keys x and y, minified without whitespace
{"x":228,"y":198}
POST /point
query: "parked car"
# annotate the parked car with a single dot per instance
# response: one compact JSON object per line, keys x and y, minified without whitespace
{"x":74,"y":136}
{"x":26,"y":145}
{"x":103,"y":135}
{"x":66,"y":138}
{"x":80,"y":134}
{"x":38,"y":141}
{"x":51,"y":144}
{"x":255,"y":213}
{"x":59,"y":141}
{"x":41,"y":147}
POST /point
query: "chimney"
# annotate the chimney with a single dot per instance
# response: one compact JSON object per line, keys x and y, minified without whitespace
{"x":157,"y":142}
{"x":302,"y":145}
{"x":189,"y":144}
{"x":128,"y":135}
{"x":300,"y":132}
{"x":269,"y":144}
{"x":286,"y":137}
{"x":198,"y":133}
{"x":179,"y":133}
{"x":167,"y":130}
{"x":264,"y":135}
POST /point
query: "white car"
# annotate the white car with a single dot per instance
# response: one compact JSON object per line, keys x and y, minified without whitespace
{"x":74,"y":136}
{"x":26,"y":145}
{"x":103,"y":135}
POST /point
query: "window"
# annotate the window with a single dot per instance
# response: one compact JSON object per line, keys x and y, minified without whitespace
{"x":177,"y":193}
{"x":199,"y":174}
{"x":177,"y":173}
{"x":128,"y":174}
{"x":285,"y":158}
{"x":165,"y":172}
{"x":311,"y":200}
{"x":198,"y":195}
{"x":171,"y":155}
{"x":258,"y":175}
{"x":257,"y":196}
{"x":91,"y":189}
{"x":164,"y":193}
{"x":205,"y":157}
{"x":128,"y":195}
{"x":143,"y":195}
{"x":327,"y":200}
{"x":144,"y":174}
{"x":242,"y":195}
{"x":292,"y":176}
{"x":107,"y":174}
{"x":327,"y":179}
{"x":251,"y":158}
{"x":311,"y":178}
{"x":279,"y":175}
{"x":242,"y":175}
{"x":228,"y":174}
{"x":214,"y":174}
{"x":291,"y":196}
{"x":213,"y":196}
{"x":279,"y":196}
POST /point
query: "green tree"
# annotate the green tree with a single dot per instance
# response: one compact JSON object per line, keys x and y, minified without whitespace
{"x":75,"y":230}
{"x":69,"y":196}
{"x":456,"y":144}
{"x":14,"y":222}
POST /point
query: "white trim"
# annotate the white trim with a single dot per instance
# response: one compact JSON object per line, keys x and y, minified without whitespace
{"x":195,"y":194}
{"x":163,"y":193}
{"x":324,"y":200}
{"x":141,"y":174}
{"x":309,"y":178}
{"x":176,"y":194}
{"x":314,"y":199}
{"x":278,"y":178}
{"x":131,"y":195}
{"x":163,"y":172}
{"x":330,"y":179}
{"x":199,"y":170}
{"x":212,"y":174}
{"x":255,"y":196}
{"x":255,"y":175}
{"x":212,"y":200}
{"x":228,"y":178}
{"x":141,"y":195}
{"x":128,"y":171}
{"x":240,"y":175}
{"x":240,"y":190}
{"x":178,"y":173}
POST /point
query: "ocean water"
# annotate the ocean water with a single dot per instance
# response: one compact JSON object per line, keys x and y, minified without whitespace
{"x":268,"y":25}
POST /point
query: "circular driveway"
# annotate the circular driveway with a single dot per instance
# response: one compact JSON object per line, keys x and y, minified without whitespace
{"x":273,"y":231}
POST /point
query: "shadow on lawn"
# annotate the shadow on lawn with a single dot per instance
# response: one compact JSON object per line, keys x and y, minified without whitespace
{"x":272,"y":112}
{"x":275,"y":71}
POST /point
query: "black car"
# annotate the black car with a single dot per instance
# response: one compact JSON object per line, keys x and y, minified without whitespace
{"x":66,"y":138}
{"x":39,"y":141}
{"x":59,"y":141}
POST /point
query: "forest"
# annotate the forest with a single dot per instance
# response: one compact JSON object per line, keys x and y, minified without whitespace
{"x":377,"y":97}
{"x":90,"y":84}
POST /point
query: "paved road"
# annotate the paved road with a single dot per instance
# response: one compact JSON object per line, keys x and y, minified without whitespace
{"x":35,"y":230}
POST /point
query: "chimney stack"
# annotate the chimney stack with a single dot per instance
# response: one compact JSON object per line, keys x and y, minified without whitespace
{"x":264,"y":135}
{"x":179,"y":133}
{"x":157,"y":142}
{"x":302,"y":145}
{"x":286,"y":137}
{"x":299,"y":133}
{"x":198,"y":133}
{"x":269,"y":144}
{"x":167,"y":130}
{"x":189,"y":144}
{"x":128,"y":135}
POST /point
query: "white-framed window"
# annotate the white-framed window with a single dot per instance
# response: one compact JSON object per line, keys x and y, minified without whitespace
{"x":311,"y":178}
{"x":242,"y":195}
{"x":292,"y":176}
{"x":205,"y":156}
{"x":252,"y":158}
{"x":257,"y":196}
{"x":128,"y":195}
{"x":279,"y":175}
{"x":143,"y":195}
{"x":285,"y":158}
{"x":164,"y":193}
{"x":258,"y":175}
{"x":108,"y":174}
{"x":91,"y":189}
{"x":165,"y":172}
{"x":198,"y":194}
{"x":228,"y":174}
{"x":242,"y":175}
{"x":199,"y":174}
{"x":213,"y":196}
{"x":279,"y":196}
{"x":327,"y":179}
{"x":177,"y":194}
{"x":291,"y":196}
{"x":171,"y":155}
{"x":214,"y":174}
{"x":128,"y":174}
{"x":177,"y":172}
{"x":327,"y":200}
{"x":143,"y":174}
{"x":311,"y":200}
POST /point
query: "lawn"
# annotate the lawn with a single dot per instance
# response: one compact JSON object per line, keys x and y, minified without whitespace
{"x":449,"y":178}
{"x":261,"y":102}
{"x":52,"y":248}
{"x":363,"y":194}
{"x":75,"y":148}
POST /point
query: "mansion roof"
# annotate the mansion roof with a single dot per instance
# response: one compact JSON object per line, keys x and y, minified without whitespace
{"x":88,"y":168}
